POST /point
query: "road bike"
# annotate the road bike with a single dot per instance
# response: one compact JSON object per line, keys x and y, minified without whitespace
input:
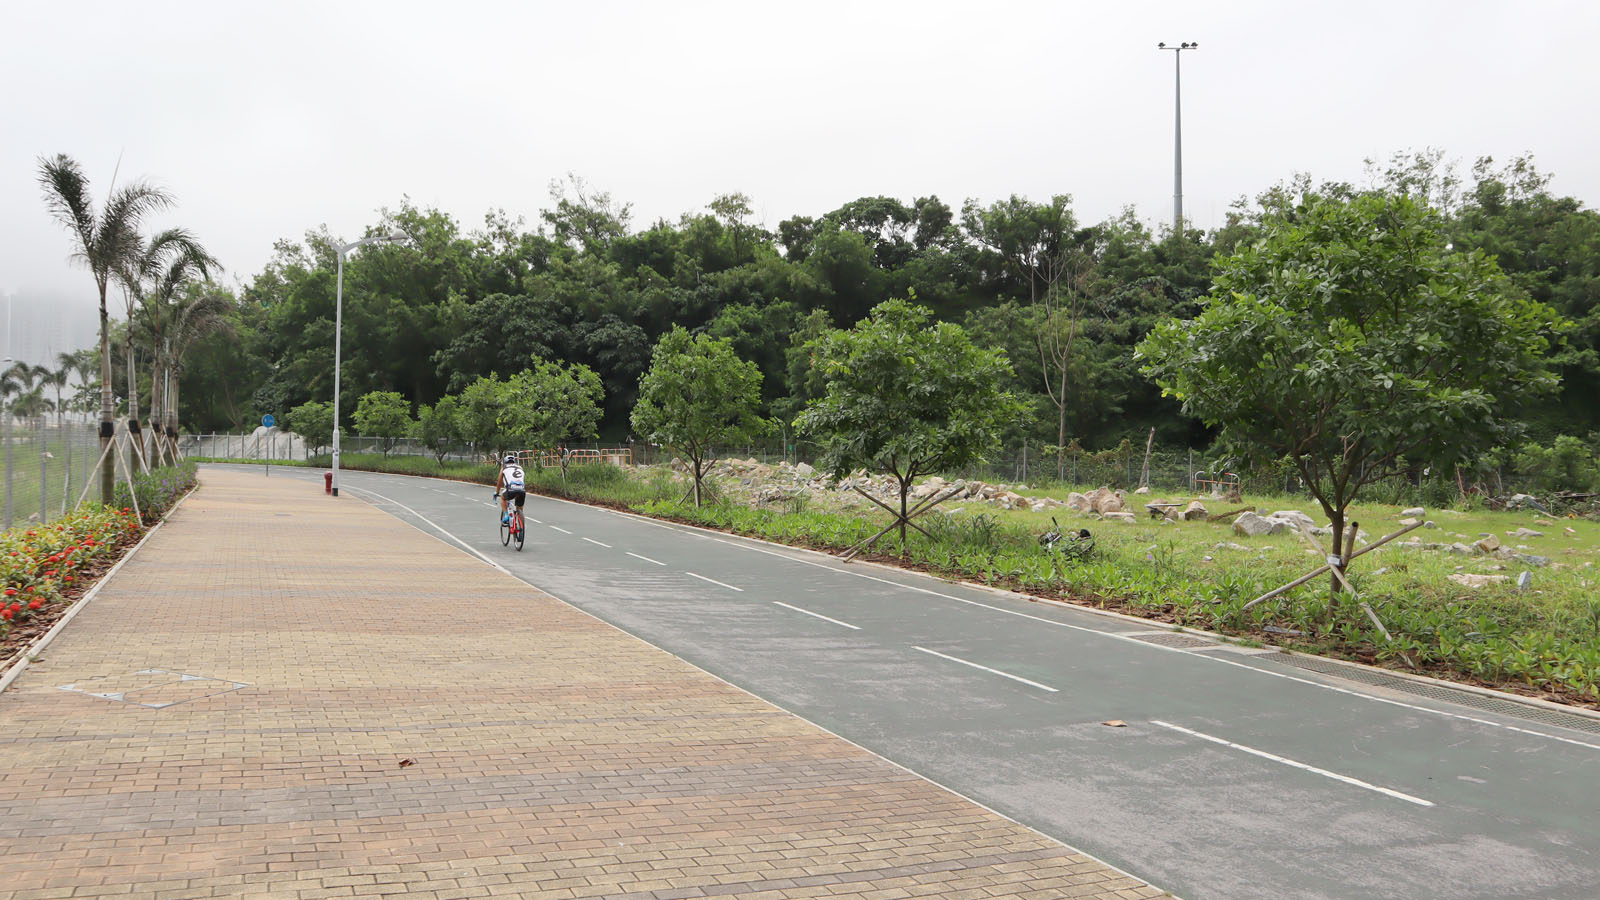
{"x":514,"y":529}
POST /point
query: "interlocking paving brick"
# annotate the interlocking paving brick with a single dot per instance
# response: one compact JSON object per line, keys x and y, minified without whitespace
{"x":556,"y":756}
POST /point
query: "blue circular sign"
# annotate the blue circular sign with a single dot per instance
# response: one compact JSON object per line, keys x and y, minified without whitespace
{"x":268,"y":420}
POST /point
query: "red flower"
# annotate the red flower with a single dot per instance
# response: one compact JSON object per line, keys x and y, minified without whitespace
{"x":6,"y":614}
{"x":35,"y":604}
{"x":11,"y":592}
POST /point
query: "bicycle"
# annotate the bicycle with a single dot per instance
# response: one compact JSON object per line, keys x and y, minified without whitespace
{"x":515,"y":529}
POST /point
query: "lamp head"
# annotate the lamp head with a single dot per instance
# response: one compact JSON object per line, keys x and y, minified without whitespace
{"x":397,"y":236}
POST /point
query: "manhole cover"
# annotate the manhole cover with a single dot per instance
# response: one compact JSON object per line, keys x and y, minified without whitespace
{"x":1173,"y":639}
{"x":154,"y":688}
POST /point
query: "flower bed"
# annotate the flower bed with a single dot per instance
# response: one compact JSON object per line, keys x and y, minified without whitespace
{"x":44,"y":568}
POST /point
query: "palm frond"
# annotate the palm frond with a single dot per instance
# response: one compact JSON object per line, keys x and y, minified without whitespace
{"x":66,"y":195}
{"x":117,"y":235}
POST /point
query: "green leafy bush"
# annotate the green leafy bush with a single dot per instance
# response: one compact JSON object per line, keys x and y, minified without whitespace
{"x":156,"y":490}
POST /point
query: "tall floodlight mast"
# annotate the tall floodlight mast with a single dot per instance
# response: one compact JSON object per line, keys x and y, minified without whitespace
{"x":1177,"y":130}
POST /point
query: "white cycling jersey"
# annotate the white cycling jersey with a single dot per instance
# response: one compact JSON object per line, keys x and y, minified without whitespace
{"x":512,"y":476}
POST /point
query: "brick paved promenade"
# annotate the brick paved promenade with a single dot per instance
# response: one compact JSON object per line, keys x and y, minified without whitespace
{"x":555,"y":755}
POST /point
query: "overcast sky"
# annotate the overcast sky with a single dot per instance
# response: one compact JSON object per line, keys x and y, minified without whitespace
{"x":268,"y":119}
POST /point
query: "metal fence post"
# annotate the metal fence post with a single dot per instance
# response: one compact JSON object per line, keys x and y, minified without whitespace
{"x":44,"y":475}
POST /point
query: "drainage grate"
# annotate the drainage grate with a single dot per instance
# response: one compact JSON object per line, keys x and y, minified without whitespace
{"x":154,"y":688}
{"x":1524,"y":711}
{"x":1173,"y":639}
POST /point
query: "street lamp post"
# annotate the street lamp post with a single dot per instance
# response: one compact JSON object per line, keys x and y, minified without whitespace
{"x":1177,"y":130}
{"x":338,"y":333}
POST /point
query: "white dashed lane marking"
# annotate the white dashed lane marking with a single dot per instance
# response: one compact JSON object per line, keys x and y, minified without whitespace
{"x":818,"y":615}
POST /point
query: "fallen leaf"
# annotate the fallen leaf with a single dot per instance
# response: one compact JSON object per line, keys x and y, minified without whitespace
{"x":407,"y":762}
{"x":1116,"y":723}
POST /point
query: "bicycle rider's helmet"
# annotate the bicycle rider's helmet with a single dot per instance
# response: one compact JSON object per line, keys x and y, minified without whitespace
{"x":510,"y":460}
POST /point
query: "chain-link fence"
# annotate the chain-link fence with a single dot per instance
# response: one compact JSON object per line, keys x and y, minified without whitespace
{"x":47,"y":466}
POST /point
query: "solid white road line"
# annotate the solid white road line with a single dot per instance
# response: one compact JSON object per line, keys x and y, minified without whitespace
{"x":818,"y":615}
{"x":560,"y":529}
{"x":593,"y":541}
{"x":1105,"y":634}
{"x":1042,"y":687}
{"x":645,"y":558}
{"x":469,"y":548}
{"x":1289,"y":762}
{"x":1146,"y":645}
{"x":715,"y":582}
{"x":532,"y":519}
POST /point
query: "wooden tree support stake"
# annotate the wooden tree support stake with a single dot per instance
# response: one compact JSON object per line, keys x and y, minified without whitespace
{"x":926,"y":505}
{"x":1323,"y":570}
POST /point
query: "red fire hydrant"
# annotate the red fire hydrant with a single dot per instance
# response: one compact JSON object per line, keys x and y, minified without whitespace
{"x":327,"y":482}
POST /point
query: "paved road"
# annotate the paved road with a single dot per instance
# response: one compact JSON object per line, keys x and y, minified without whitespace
{"x":1235,"y":777}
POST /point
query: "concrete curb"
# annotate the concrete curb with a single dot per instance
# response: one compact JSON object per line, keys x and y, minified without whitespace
{"x":35,"y":648}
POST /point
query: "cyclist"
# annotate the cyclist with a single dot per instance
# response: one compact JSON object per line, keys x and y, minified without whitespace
{"x":510,"y":486}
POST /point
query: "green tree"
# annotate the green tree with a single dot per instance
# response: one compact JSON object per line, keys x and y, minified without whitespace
{"x":907,"y":396}
{"x":550,"y":404}
{"x":697,"y":396}
{"x":1348,"y":337}
{"x":313,"y":421}
{"x":438,"y":427}
{"x":384,"y":415}
{"x":478,"y":416}
{"x":105,"y":242}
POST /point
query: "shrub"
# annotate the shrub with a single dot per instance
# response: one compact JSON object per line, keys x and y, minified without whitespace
{"x":156,"y":490}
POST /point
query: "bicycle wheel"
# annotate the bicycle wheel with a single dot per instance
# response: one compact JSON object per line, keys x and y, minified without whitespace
{"x":505,"y":532}
{"x":522,"y":530}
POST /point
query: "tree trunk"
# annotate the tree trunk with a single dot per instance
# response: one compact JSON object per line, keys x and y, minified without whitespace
{"x":697,"y":482}
{"x":135,"y":436}
{"x":108,"y":428}
{"x":1336,"y":520}
{"x":905,"y":489}
{"x":170,"y":402}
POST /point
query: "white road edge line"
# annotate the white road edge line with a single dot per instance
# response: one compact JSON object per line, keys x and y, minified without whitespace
{"x":964,"y":662}
{"x":1289,"y":762}
{"x":790,"y":555}
{"x":1148,"y":646}
{"x":818,"y":615}
{"x":593,"y":541}
{"x":560,"y":529}
{"x":714,"y":581}
{"x":645,"y":558}
{"x":468,"y":547}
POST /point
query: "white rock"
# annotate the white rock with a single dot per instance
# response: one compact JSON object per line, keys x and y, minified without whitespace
{"x":1415,"y":512}
{"x":1525,"y":533}
{"x":1251,"y":525}
{"x":1472,"y":580}
{"x":1408,"y":522}
{"x":1295,"y":519}
{"x":1143,"y":490}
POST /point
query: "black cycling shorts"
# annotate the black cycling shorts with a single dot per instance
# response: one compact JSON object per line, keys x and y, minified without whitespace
{"x":517,"y":494}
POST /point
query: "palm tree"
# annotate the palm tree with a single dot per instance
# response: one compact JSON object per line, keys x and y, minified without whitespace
{"x":168,"y":262}
{"x":194,"y":314}
{"x":103,"y":242}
